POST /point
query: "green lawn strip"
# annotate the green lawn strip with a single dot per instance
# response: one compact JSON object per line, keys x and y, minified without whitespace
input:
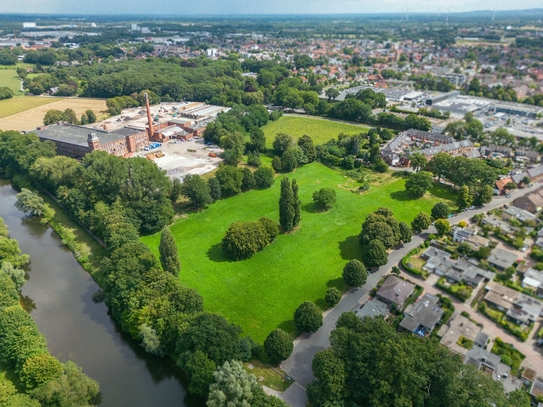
{"x":261,"y":293}
{"x":20,"y":104}
{"x":320,"y":130}
{"x":9,"y":78}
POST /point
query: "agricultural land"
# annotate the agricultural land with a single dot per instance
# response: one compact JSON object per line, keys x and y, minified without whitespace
{"x":261,"y":293}
{"x":26,"y":113}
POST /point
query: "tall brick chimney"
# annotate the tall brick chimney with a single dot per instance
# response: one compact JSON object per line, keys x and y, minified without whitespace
{"x":149,"y":118}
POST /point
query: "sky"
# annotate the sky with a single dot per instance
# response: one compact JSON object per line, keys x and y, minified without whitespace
{"x":226,"y":7}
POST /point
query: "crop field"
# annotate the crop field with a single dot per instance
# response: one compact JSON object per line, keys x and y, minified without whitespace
{"x":321,"y":130}
{"x":26,"y":112}
{"x":261,"y":293}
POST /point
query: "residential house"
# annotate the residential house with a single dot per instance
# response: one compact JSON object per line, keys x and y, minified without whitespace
{"x":502,"y":259}
{"x":535,"y":173}
{"x":525,"y":310}
{"x":526,"y":155}
{"x":518,"y":178}
{"x":462,"y":234}
{"x":501,"y":184}
{"x":372,"y":309}
{"x":476,"y":242}
{"x":395,"y":291}
{"x":457,"y":327}
{"x":532,"y":202}
{"x":533,"y":279}
{"x":512,"y":212}
{"x":481,"y":340}
{"x":537,"y":388}
{"x":434,"y":252}
{"x":495,"y":222}
{"x":422,"y":316}
{"x":499,"y":296}
{"x":470,"y":275}
{"x":504,"y":151}
{"x":490,"y":364}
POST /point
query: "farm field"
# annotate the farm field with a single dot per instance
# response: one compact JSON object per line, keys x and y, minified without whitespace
{"x":261,"y":293}
{"x":321,"y":130}
{"x":26,"y":112}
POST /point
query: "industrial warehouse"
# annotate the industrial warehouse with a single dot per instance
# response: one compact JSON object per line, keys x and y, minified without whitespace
{"x":133,"y":130}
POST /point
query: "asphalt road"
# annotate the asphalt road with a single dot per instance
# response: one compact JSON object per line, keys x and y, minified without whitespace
{"x":298,"y":365}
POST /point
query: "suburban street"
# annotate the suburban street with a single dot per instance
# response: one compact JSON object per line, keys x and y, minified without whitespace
{"x":298,"y":365}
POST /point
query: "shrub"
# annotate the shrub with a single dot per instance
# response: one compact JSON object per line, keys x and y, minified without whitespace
{"x":325,"y":198}
{"x":243,"y":239}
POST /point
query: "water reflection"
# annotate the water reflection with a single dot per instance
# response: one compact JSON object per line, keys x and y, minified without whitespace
{"x":58,"y":295}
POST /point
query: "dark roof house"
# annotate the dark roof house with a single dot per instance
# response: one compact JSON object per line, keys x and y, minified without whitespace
{"x":395,"y":290}
{"x":422,"y":316}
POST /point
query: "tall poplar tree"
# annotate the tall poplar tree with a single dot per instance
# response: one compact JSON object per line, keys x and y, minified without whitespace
{"x":286,"y":205}
{"x":297,"y":204}
{"x":169,"y":256}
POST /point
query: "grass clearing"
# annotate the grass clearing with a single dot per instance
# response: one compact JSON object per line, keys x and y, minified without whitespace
{"x":261,"y":293}
{"x":268,"y":376}
{"x":9,"y":78}
{"x":321,"y":130}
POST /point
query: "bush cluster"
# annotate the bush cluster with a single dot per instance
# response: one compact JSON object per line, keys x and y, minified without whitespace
{"x":243,"y":239}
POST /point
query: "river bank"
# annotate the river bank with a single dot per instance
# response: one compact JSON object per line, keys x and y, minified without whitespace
{"x":59,"y":297}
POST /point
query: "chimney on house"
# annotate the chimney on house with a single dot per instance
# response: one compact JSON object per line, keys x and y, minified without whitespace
{"x":149,"y":118}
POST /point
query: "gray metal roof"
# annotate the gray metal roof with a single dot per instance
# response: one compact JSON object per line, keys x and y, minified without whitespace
{"x":68,"y":133}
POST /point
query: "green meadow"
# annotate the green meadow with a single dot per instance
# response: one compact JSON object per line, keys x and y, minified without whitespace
{"x":261,"y":293}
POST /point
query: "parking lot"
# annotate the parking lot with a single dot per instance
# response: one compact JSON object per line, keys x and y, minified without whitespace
{"x":186,"y":157}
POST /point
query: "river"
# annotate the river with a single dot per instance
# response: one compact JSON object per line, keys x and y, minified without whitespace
{"x":58,"y":295}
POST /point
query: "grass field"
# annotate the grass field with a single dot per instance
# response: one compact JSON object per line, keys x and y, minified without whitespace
{"x":18,"y":104}
{"x":321,"y":130}
{"x":261,"y":293}
{"x":26,"y":113}
{"x":9,"y":78}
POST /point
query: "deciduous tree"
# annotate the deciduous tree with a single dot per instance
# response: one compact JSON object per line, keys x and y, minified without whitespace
{"x":441,"y":211}
{"x":278,"y":346}
{"x":421,"y":222}
{"x":354,"y":273}
{"x":374,"y":254}
{"x":308,"y":317}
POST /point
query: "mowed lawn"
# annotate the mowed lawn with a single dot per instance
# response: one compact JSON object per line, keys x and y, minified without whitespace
{"x":261,"y":293}
{"x":9,"y":78}
{"x":320,"y":130}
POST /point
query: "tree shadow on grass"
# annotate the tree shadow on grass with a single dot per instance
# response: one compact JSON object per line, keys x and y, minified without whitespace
{"x":217,"y":254}
{"x":287,"y":326}
{"x":443,"y":191}
{"x":350,"y":248}
{"x":401,"y":196}
{"x":322,"y":304}
{"x":337,"y":283}
{"x":311,"y":208}
{"x":400,"y":174}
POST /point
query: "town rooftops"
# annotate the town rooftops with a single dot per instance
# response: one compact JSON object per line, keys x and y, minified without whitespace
{"x":481,"y":339}
{"x":535,"y":172}
{"x":502,"y":258}
{"x":500,"y":295}
{"x":422,"y":316}
{"x":395,"y":290}
{"x":502,"y":183}
{"x":372,"y":309}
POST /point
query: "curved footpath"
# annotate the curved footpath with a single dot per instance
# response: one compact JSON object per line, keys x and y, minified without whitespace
{"x":298,"y":365}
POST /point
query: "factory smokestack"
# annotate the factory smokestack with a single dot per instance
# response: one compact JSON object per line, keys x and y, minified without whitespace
{"x":149,"y":119}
